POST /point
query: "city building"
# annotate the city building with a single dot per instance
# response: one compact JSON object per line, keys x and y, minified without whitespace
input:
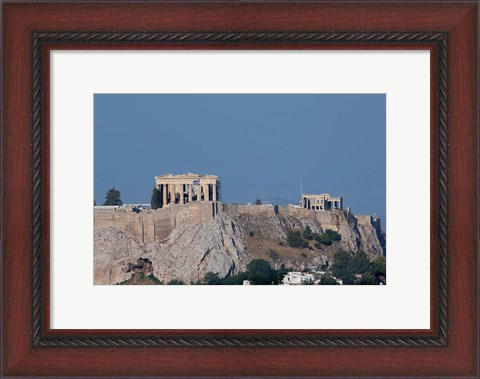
{"x":295,"y":277}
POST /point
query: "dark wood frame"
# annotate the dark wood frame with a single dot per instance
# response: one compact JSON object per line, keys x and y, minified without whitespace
{"x":449,"y":348}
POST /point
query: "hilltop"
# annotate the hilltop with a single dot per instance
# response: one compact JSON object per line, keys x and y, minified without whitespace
{"x":185,"y":242}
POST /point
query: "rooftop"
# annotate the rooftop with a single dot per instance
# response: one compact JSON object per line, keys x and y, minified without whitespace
{"x":188,"y":175}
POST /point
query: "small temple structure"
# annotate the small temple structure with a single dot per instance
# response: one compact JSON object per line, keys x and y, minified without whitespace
{"x":322,"y":202}
{"x":185,"y":188}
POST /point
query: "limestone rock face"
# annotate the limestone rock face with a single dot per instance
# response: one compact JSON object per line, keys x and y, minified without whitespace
{"x":113,"y":250}
{"x":189,"y":253}
{"x":186,"y":248}
{"x":193,"y":250}
{"x":358,"y":232}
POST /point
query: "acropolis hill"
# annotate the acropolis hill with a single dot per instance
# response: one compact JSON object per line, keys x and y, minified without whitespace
{"x":186,"y":240}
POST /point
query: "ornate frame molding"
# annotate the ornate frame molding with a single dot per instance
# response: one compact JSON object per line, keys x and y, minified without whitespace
{"x":41,"y":39}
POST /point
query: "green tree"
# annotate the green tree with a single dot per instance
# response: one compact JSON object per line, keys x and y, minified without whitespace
{"x":323,"y":239}
{"x":156,"y":200}
{"x":345,"y":274}
{"x":328,"y":281}
{"x":260,"y":272}
{"x":294,"y":238}
{"x":176,"y":282}
{"x":235,"y":279}
{"x":368,"y":279}
{"x":258,"y":202}
{"x":112,"y":197}
{"x":341,"y":259}
{"x":379,"y":267}
{"x":281,"y":273}
{"x":334,"y":236}
{"x":328,"y":237}
{"x":307,"y":233}
{"x":359,"y":263}
{"x":260,"y":279}
{"x":258,"y":266}
{"x":211,"y":278}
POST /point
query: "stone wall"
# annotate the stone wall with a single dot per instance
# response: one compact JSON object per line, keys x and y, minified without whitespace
{"x":155,"y":225}
{"x":358,"y":231}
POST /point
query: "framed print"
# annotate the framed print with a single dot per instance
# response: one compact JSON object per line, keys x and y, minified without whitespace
{"x":212,"y":188}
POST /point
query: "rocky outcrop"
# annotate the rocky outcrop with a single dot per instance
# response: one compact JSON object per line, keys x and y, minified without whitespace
{"x":187,"y":242}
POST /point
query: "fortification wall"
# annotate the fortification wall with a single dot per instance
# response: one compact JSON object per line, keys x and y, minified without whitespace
{"x":155,"y":225}
{"x":264,"y":210}
{"x":267,"y":221}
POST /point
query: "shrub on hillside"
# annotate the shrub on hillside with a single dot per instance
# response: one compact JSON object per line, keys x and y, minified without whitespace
{"x":307,"y":233}
{"x":334,"y":236}
{"x":294,"y":238}
{"x":328,"y":237}
{"x":211,"y":278}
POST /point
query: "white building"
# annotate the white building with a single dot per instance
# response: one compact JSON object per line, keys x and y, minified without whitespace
{"x":295,"y":278}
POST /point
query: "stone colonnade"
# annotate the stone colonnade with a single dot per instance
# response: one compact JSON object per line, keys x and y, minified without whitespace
{"x":323,"y":202}
{"x":182,"y":189}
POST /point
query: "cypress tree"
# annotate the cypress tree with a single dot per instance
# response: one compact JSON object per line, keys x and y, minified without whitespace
{"x":113,"y":197}
{"x":156,"y":200}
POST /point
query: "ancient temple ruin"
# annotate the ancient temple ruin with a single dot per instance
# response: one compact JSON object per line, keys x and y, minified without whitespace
{"x":185,"y":188}
{"x":323,"y":202}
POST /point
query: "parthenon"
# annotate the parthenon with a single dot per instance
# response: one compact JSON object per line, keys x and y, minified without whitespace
{"x":185,"y":188}
{"x":323,"y":202}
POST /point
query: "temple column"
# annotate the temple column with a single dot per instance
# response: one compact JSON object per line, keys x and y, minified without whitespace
{"x":172,"y":193}
{"x":205,"y":192}
{"x":190,"y":194}
{"x":164,"y":194}
{"x":214,"y":192}
{"x":182,"y":197}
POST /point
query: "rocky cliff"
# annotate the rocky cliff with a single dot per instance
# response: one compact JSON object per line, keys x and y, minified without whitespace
{"x":185,"y":242}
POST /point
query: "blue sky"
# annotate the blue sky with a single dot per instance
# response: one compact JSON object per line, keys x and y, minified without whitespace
{"x":259,"y":144}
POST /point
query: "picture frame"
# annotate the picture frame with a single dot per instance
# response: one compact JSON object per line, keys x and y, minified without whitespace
{"x":447,"y":29}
